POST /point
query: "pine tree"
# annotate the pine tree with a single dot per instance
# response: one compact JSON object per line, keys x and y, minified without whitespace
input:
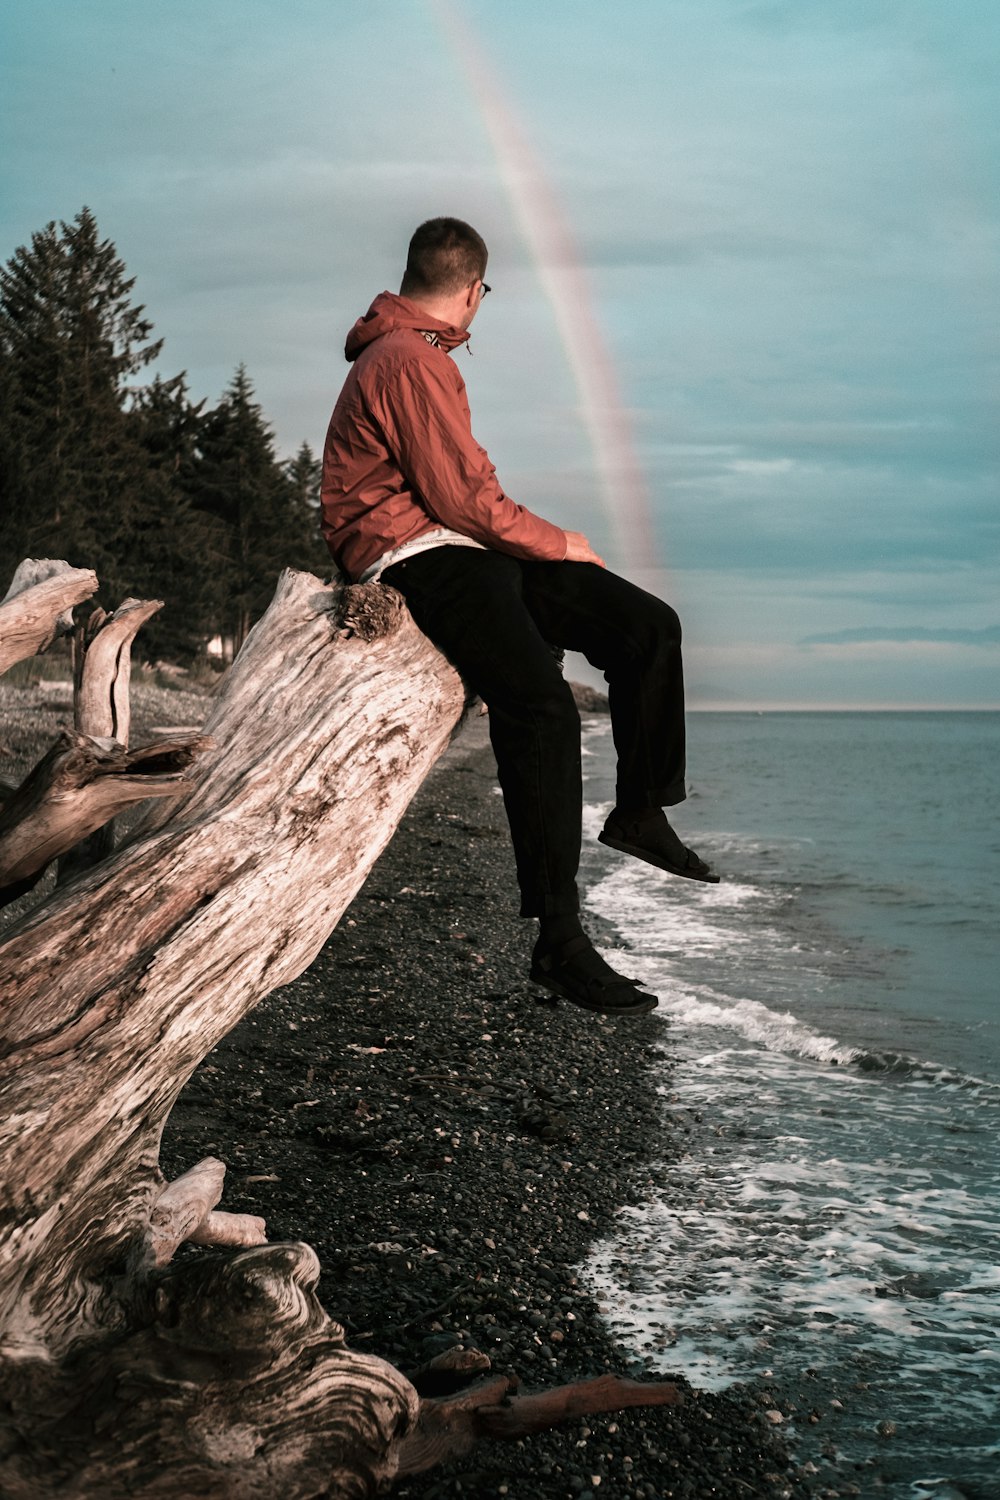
{"x":307,"y":550}
{"x":173,"y":559}
{"x":242,"y":490}
{"x":70,"y":339}
{"x":162,"y":498}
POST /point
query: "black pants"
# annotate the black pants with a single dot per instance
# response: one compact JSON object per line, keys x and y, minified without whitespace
{"x":495,"y":618}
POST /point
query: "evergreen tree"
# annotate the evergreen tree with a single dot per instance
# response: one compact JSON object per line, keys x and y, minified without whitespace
{"x":13,"y":466}
{"x":243,"y":490}
{"x":305,"y":471}
{"x":74,"y":477}
{"x":161,"y":498}
{"x":173,"y":562}
{"x":169,"y":425}
{"x":307,"y":549}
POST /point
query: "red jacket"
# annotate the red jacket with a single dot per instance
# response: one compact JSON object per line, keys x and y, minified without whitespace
{"x":400,"y":458}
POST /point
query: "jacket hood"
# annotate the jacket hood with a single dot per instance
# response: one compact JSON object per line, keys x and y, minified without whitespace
{"x":389,"y":313}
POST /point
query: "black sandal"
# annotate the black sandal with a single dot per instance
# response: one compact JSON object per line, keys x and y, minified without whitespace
{"x":664,"y":850}
{"x":576,"y":972}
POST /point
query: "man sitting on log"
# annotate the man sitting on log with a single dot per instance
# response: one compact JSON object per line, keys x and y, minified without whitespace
{"x":411,"y":499}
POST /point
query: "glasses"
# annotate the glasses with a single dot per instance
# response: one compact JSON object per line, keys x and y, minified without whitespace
{"x":485,"y":289}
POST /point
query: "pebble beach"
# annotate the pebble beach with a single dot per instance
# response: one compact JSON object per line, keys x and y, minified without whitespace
{"x":452,"y":1143}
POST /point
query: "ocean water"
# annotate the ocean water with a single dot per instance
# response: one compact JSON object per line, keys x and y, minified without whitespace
{"x":833,"y":1234}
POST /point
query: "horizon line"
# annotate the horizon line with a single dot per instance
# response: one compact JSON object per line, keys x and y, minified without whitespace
{"x":714,"y":707}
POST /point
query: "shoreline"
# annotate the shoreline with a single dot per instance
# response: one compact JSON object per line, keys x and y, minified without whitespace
{"x":452,"y":1142}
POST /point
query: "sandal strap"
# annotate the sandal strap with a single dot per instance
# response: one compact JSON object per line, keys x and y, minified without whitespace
{"x":554,"y":958}
{"x":561,"y":957}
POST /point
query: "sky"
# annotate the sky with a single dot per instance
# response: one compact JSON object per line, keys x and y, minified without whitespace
{"x":745,"y":257}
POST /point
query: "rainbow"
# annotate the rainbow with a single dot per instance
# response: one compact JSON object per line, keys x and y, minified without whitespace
{"x":558,"y":265}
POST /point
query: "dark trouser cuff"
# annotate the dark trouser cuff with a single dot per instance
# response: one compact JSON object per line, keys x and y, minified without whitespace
{"x":563,"y":905}
{"x":657,"y":796}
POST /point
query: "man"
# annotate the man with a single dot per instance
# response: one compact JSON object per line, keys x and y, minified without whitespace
{"x":410,"y":498}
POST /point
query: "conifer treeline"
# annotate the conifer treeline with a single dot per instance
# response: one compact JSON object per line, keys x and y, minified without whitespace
{"x":163,"y":497}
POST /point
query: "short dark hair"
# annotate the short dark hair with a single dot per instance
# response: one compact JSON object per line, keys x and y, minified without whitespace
{"x":444,"y":256}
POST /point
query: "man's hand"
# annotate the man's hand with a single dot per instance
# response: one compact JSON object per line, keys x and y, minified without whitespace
{"x":578,"y":549}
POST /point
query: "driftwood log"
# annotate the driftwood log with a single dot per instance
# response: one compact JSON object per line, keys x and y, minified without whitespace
{"x":67,"y":806}
{"x":77,"y":788}
{"x":102,"y":705}
{"x":102,"y":710}
{"x":38,"y":606}
{"x":125,"y":1372}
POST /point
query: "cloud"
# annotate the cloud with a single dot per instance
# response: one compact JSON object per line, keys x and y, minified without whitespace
{"x":863,"y":675}
{"x":906,"y":634}
{"x":761,"y":465}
